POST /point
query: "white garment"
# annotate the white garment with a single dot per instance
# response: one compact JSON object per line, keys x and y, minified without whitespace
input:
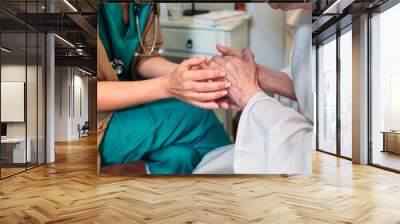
{"x":275,"y":139}
{"x":272,"y":138}
{"x":217,"y":161}
{"x":300,"y":71}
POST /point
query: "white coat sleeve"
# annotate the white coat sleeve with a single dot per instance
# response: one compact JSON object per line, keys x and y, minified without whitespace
{"x":272,"y":139}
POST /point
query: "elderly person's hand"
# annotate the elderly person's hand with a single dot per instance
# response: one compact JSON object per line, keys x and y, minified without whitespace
{"x":291,"y":6}
{"x":241,"y":72}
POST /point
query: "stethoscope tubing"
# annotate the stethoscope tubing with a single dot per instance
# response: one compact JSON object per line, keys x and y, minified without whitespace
{"x":117,"y":64}
{"x":155,"y":30}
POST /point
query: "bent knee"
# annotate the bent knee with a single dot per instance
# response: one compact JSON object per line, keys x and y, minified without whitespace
{"x":182,"y":154}
{"x":174,"y":159}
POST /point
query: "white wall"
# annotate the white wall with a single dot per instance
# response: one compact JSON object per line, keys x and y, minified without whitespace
{"x":61,"y":103}
{"x":70,"y":83}
{"x":79,"y":117}
{"x":267,"y":33}
{"x":211,"y":6}
{"x":16,"y":72}
{"x":13,"y":101}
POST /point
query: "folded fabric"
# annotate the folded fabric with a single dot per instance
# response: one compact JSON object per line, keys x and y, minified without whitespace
{"x":217,"y":161}
{"x":272,"y":139}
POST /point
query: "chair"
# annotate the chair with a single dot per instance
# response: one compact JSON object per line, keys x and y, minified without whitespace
{"x":84,"y":129}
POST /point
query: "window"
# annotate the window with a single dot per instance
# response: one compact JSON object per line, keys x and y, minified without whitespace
{"x":346,"y":95}
{"x":394,"y":101}
{"x":328,"y":110}
{"x":385,"y":89}
{"x":22,"y":78}
{"x":327,"y":97}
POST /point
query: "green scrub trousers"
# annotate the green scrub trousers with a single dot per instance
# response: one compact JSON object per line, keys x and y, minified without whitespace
{"x":170,"y":136}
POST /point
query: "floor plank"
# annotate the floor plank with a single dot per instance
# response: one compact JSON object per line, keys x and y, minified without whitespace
{"x":70,"y":191}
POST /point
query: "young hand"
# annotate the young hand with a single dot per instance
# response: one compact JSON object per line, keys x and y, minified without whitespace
{"x":224,"y":102}
{"x":201,"y":88}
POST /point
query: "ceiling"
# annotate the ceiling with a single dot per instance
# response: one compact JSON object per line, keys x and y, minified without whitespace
{"x":332,"y":15}
{"x":75,"y":21}
{"x":72,"y":20}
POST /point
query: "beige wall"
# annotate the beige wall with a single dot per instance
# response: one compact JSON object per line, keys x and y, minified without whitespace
{"x":71,"y":102}
{"x":34,"y":126}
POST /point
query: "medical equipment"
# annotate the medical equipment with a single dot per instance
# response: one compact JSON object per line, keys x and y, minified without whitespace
{"x":155,"y":19}
{"x":118,"y":64}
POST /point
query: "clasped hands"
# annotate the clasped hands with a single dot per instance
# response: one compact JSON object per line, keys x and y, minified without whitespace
{"x":226,"y":81}
{"x":241,"y":70}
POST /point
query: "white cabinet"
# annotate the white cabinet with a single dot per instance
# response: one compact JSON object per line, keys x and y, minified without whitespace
{"x":183,"y":38}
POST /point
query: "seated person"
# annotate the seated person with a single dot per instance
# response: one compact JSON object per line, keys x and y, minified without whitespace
{"x":271,"y":138}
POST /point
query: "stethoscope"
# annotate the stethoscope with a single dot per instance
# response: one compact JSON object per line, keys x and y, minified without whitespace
{"x":118,"y":65}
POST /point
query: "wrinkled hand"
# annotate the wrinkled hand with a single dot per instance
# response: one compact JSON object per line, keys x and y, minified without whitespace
{"x":291,"y":6}
{"x":201,"y":88}
{"x":241,"y":71}
{"x":207,"y":64}
{"x":227,"y":51}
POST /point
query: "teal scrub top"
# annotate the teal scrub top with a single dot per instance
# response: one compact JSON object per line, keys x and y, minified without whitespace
{"x":121,"y":41}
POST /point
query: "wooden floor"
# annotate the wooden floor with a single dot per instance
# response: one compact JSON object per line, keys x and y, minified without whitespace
{"x":69,"y":191}
{"x":387,"y":159}
{"x":5,"y":172}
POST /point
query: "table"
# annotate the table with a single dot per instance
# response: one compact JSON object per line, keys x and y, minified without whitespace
{"x":391,"y":141}
{"x":13,"y":150}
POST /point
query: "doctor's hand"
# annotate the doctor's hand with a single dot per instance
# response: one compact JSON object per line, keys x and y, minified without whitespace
{"x":242,"y":74}
{"x":201,"y":87}
{"x":224,"y":102}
